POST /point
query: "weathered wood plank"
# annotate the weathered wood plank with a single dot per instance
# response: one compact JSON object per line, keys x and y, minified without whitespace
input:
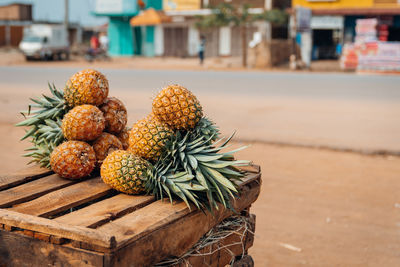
{"x":46,"y":226}
{"x":106,"y":210}
{"x":144,"y":231}
{"x":32,"y":190}
{"x":251,"y":168}
{"x":250,"y":177}
{"x":140,"y":222}
{"x":65,"y":198}
{"x":22,"y":176}
{"x":21,"y":251}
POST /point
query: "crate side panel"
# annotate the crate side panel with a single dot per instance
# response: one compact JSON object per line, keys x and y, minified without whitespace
{"x":221,"y":253}
{"x":19,"y":250}
{"x":142,"y":234}
{"x":22,"y":176}
{"x":108,"y":209}
{"x":65,"y":198}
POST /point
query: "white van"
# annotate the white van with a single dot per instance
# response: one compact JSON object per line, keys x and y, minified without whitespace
{"x":45,"y":41}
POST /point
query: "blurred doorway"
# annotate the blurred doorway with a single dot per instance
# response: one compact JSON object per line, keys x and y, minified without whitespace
{"x":325,"y":44}
{"x":176,"y":41}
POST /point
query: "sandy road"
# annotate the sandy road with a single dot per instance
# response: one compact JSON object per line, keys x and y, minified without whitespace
{"x":328,"y":110}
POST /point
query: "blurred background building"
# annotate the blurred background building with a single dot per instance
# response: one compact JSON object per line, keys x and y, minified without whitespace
{"x":13,"y":18}
{"x":171,"y":31}
{"x":365,"y":34}
{"x":333,"y":22}
{"x":17,"y":15}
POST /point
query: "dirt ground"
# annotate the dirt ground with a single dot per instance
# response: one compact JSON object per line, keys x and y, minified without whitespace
{"x":325,"y":208}
{"x":316,"y":208}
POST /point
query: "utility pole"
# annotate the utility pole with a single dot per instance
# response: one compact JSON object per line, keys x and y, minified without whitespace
{"x":66,"y":15}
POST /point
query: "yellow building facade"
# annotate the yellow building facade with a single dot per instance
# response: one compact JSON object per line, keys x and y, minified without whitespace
{"x":338,"y":4}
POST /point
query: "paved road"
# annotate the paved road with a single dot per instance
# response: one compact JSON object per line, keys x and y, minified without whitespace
{"x":357,"y":112}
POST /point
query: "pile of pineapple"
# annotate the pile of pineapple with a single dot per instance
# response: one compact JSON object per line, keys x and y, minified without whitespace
{"x":173,"y":152}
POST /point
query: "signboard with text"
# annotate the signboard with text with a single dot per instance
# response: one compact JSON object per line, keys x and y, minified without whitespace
{"x":303,"y":18}
{"x":181,"y":4}
{"x":115,"y":7}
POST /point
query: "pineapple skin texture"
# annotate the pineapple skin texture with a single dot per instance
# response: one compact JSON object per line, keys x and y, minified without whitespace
{"x":123,"y":136}
{"x":83,"y":123}
{"x":177,"y":107}
{"x":73,"y":159}
{"x":104,"y":145}
{"x":124,"y":172}
{"x":86,"y":87}
{"x":115,"y":114}
{"x":148,"y":137}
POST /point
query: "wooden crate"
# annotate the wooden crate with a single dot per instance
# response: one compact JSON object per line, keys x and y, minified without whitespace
{"x":49,"y":221}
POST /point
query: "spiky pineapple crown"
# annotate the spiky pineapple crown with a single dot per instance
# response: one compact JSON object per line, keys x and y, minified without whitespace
{"x":206,"y":175}
{"x":44,"y":121}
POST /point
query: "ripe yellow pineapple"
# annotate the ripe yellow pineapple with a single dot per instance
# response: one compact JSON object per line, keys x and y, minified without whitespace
{"x":148,"y":138}
{"x":86,"y":87}
{"x":124,"y":172}
{"x":104,"y":145}
{"x":178,"y":107}
{"x":115,"y":114}
{"x":73,"y":159}
{"x":84,"y":123}
{"x":123,"y":136}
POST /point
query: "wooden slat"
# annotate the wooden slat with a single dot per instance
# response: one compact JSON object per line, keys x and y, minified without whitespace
{"x":250,"y":177}
{"x":32,"y":190}
{"x":140,"y":222}
{"x":22,"y":176}
{"x":65,"y":198}
{"x":102,"y":212}
{"x":144,"y":231}
{"x":46,"y":226}
{"x":251,"y":168}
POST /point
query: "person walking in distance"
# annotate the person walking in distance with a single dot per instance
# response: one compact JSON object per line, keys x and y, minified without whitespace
{"x":202,"y":46}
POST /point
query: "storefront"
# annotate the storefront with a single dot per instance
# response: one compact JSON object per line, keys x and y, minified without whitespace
{"x":327,"y":32}
{"x":125,"y":40}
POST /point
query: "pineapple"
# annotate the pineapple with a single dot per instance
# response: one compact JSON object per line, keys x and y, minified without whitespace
{"x":73,"y":159}
{"x":148,"y":138}
{"x":178,"y":107}
{"x":104,"y":145}
{"x":124,"y":172}
{"x":84,"y":123}
{"x":86,"y":87}
{"x":115,"y":114}
{"x":123,"y":136}
{"x":130,"y":174}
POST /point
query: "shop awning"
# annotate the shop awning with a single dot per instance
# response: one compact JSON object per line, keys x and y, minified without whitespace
{"x":150,"y":17}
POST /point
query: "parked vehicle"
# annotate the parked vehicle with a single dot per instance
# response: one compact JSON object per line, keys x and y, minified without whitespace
{"x":45,"y":41}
